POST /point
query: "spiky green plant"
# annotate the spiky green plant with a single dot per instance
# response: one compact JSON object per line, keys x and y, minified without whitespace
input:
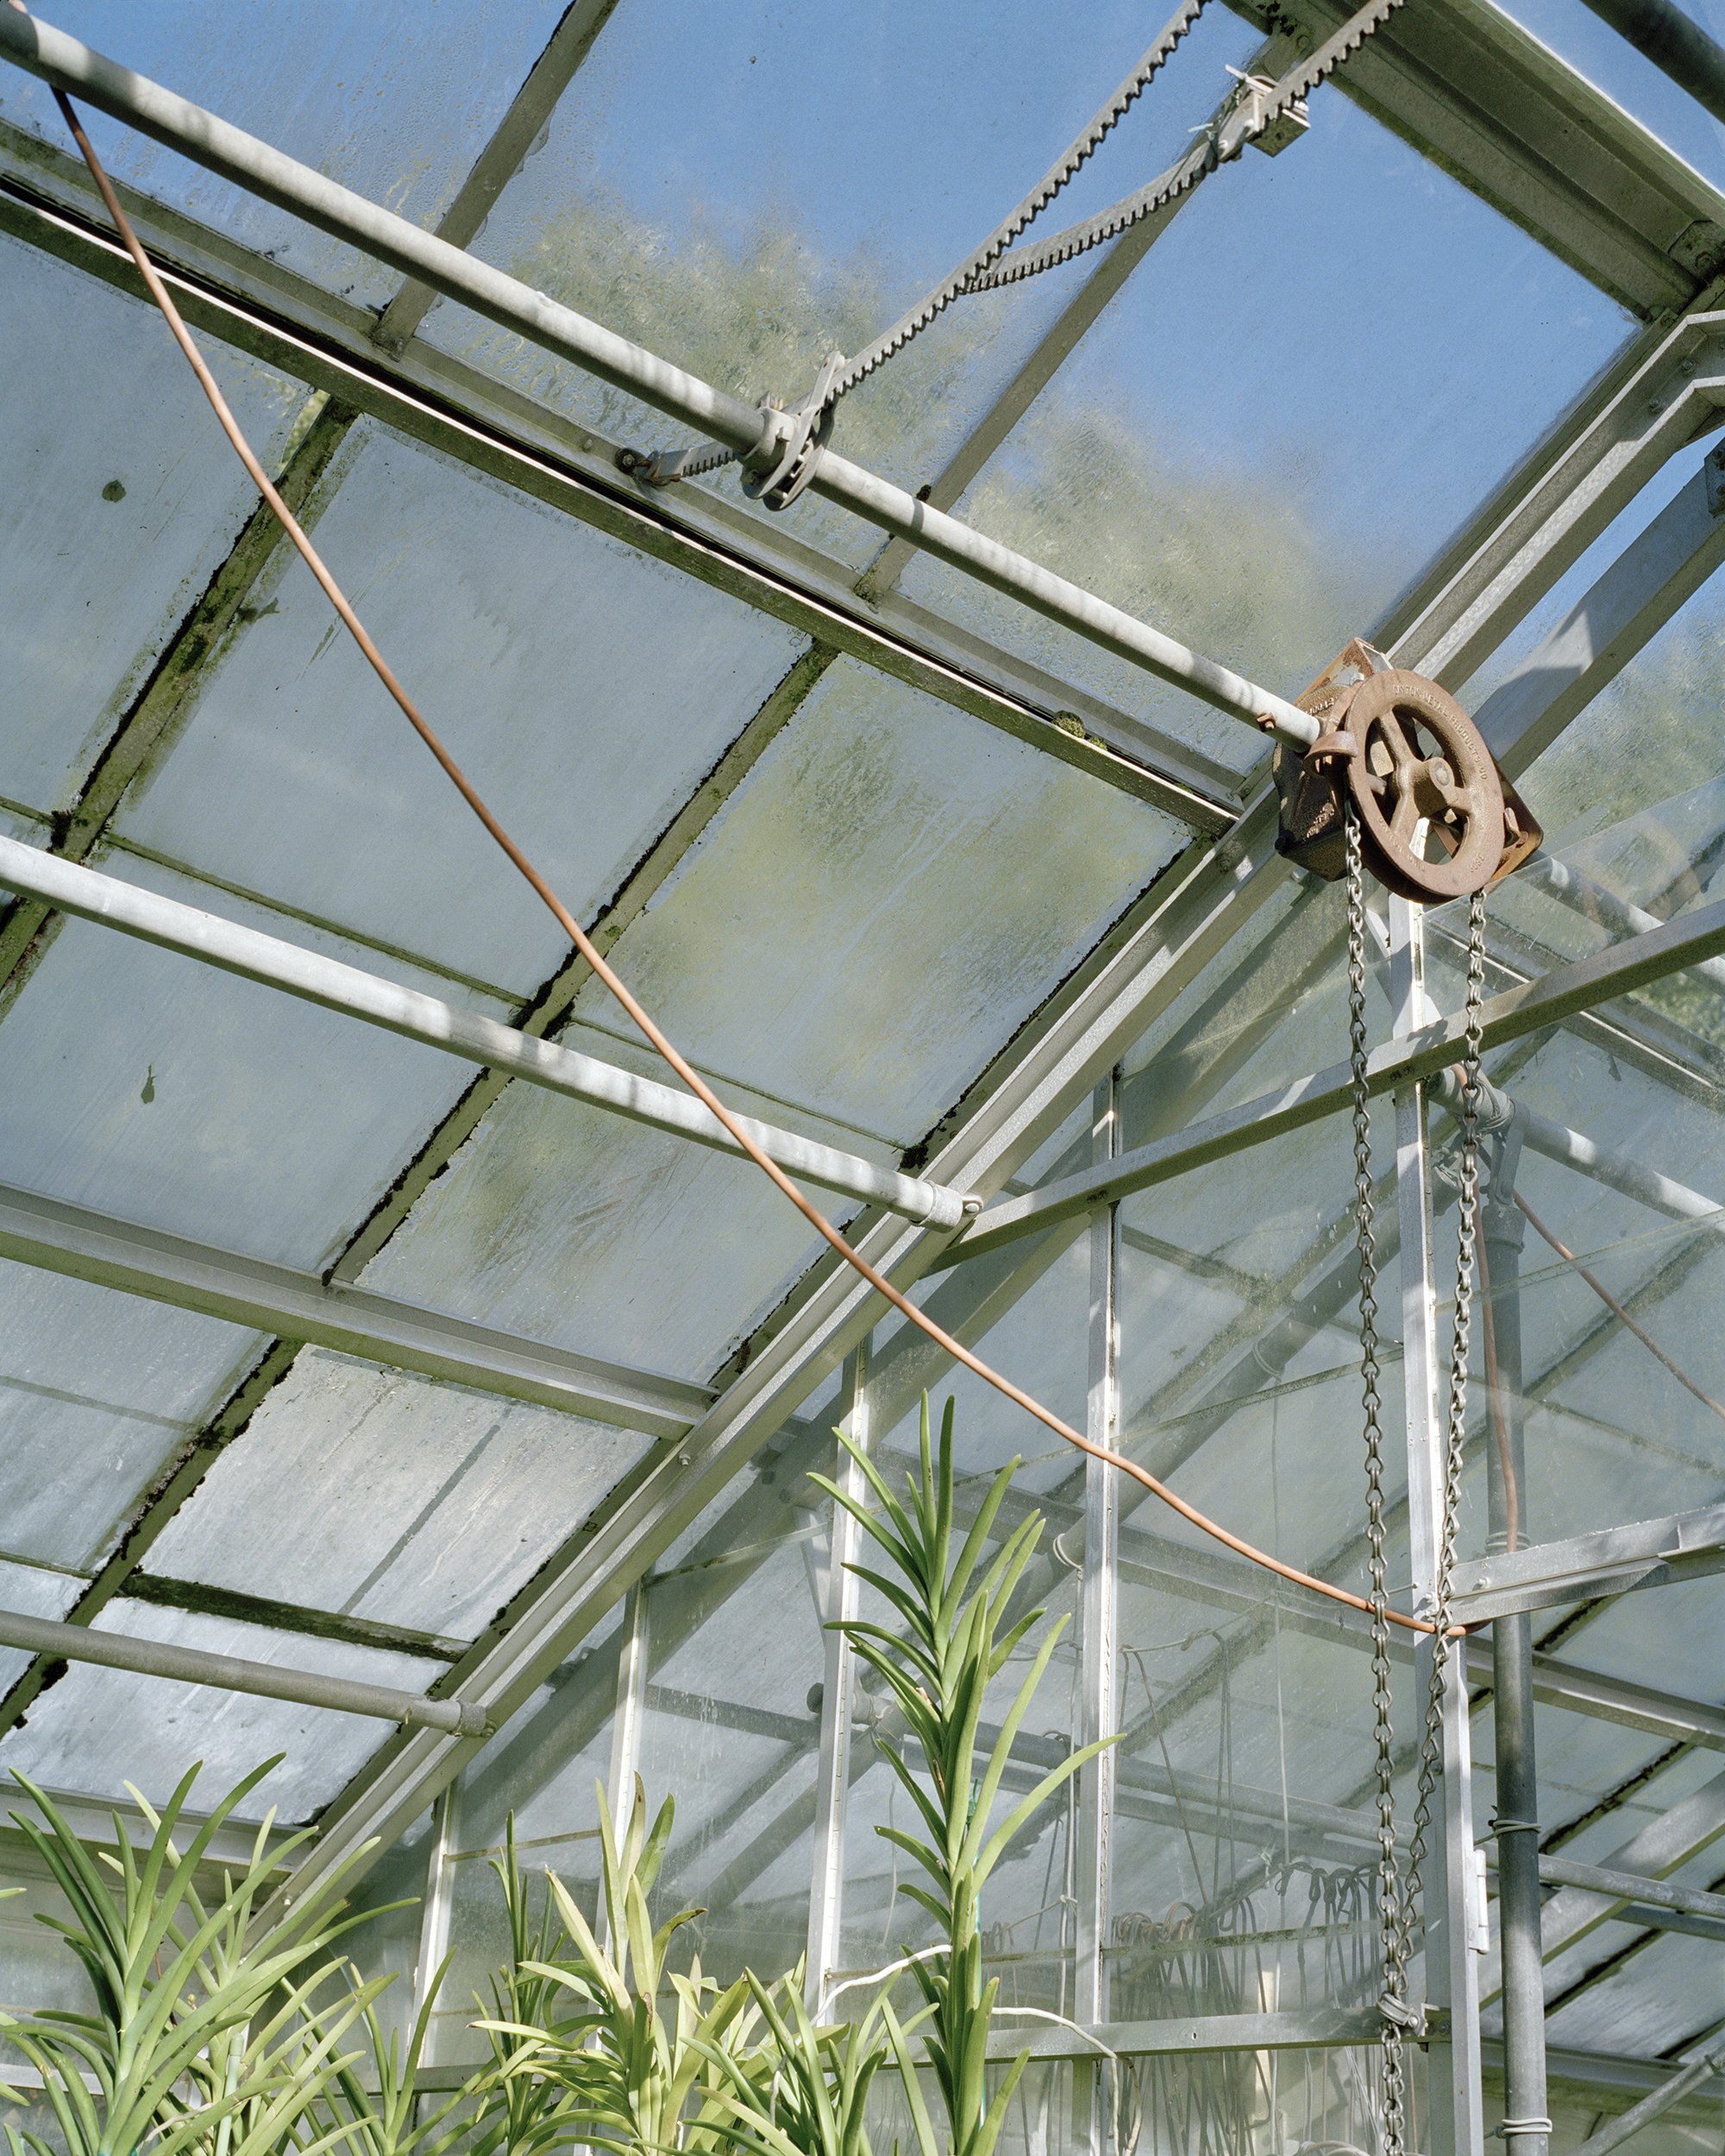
{"x":804,"y":2091}
{"x":956,"y":1636}
{"x":631,"y":2045}
{"x":202,"y":2036}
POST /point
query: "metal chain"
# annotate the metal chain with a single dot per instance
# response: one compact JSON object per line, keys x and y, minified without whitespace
{"x":1065,"y":167}
{"x":1399,"y":1892}
{"x":1393,"y":2003}
{"x":1219,"y":145}
{"x":991,"y":266}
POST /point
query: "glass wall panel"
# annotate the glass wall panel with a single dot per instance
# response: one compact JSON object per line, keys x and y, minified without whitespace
{"x":540,"y":1772}
{"x":1036,"y":1332}
{"x":1244,"y":1847}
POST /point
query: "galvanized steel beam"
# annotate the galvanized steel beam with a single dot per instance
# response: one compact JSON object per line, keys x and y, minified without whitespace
{"x":415,"y":1016}
{"x":1466,"y":85}
{"x":1541,"y":1575}
{"x":59,"y":1237}
{"x":1557,"y":995}
{"x":229,"y":1673}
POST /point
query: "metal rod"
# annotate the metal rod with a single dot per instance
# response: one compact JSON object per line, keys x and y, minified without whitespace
{"x":1653,"y":2105}
{"x":1675,"y":43}
{"x":42,"y":50}
{"x":1092,"y":1795}
{"x":286,"y":1304}
{"x":837,"y":1719}
{"x":228,"y":1673}
{"x":1562,"y":993}
{"x":1455,"y":2105}
{"x":1601,"y":1164}
{"x":1631,"y":1887}
{"x":215,"y":942}
{"x":1526,"y":2127}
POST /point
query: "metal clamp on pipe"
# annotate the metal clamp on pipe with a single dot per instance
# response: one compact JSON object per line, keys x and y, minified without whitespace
{"x":778,"y":469}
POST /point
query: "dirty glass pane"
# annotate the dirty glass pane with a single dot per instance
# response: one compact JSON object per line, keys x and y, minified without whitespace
{"x":145,"y":1084}
{"x":572,"y":1225}
{"x":585,"y":688}
{"x":786,"y":211}
{"x":891,"y":892}
{"x":98,"y":1391}
{"x":1214,"y":424}
{"x":114,"y":525}
{"x":395,"y":100}
{"x":376,"y":1493}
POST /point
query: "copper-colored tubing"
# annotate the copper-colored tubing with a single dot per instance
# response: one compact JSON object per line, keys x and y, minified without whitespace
{"x":578,"y":935}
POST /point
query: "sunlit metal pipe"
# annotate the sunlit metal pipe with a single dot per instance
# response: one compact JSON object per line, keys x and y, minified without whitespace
{"x":42,"y":50}
{"x":229,"y":1673}
{"x":225,"y":944}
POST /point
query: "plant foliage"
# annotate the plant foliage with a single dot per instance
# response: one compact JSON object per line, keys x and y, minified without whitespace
{"x":957,"y":1635}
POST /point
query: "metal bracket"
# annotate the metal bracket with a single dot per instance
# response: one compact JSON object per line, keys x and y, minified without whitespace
{"x":1713,"y":472}
{"x":1255,"y":94}
{"x":780,"y":466}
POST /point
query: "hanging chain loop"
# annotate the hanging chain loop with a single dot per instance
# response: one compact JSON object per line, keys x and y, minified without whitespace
{"x":1398,"y":1890}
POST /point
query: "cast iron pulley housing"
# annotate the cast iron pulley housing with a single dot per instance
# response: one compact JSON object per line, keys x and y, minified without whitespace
{"x":1437,"y":819}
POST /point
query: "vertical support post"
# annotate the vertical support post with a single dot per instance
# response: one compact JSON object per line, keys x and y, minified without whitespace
{"x":1092,"y":1810}
{"x":1455,"y":2121}
{"x":833,"y":1782}
{"x":440,"y":1888}
{"x":632,"y":1704}
{"x":1526,"y":2127}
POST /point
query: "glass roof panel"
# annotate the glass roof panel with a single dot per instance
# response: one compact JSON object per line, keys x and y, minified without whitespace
{"x":396,"y":100}
{"x":97,"y":1729}
{"x":145,"y":1084}
{"x":787,"y":207}
{"x":1248,"y":399}
{"x":374,"y":1494}
{"x":573,"y":1227}
{"x":892,"y":892}
{"x":113,"y":524}
{"x":584,"y":687}
{"x":97,"y":1391}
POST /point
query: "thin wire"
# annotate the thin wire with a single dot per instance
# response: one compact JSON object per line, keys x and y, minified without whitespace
{"x":590,"y":953}
{"x":1616,"y":1309}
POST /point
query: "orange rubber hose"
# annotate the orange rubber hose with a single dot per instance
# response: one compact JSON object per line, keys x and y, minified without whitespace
{"x":578,"y":935}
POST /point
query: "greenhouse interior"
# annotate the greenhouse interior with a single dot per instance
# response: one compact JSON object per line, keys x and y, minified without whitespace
{"x":899,"y":1340}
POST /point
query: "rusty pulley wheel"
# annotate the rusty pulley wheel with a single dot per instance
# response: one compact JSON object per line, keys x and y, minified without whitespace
{"x":1431,"y":806}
